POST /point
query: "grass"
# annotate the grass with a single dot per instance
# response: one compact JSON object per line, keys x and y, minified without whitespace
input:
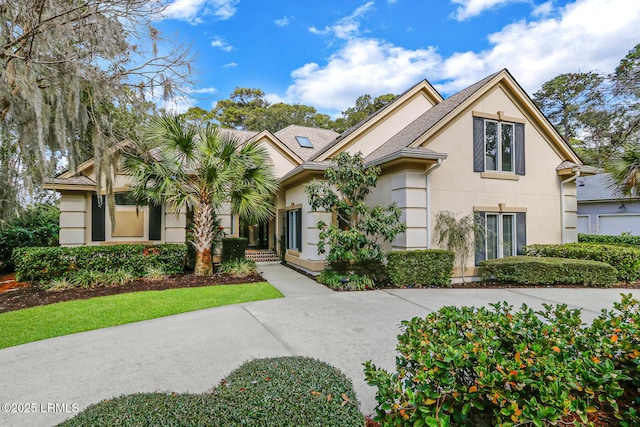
{"x":54,"y":320}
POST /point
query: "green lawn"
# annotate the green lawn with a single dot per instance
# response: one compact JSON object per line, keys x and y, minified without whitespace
{"x":54,"y":320}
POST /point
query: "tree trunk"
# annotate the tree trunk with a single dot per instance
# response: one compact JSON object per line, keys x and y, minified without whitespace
{"x":204,"y":263}
{"x":203,"y":234}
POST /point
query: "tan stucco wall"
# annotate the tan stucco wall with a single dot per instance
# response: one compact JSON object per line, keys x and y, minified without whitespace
{"x":296,"y":196}
{"x":281,"y":164}
{"x":456,"y":188}
{"x":393,"y":124}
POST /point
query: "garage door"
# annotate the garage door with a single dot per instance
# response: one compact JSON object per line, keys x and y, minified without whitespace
{"x":583,"y":224}
{"x":614,"y":225}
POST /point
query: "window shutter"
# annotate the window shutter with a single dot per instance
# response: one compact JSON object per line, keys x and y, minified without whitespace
{"x":519,"y":140}
{"x":299,"y":230}
{"x":521,"y":231}
{"x":480,"y":237}
{"x":155,"y":222}
{"x":478,"y":144}
{"x":97,"y":219}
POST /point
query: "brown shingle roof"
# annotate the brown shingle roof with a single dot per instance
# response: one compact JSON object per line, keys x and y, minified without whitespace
{"x":427,"y":120}
{"x":74,"y":180}
{"x":320,"y":138}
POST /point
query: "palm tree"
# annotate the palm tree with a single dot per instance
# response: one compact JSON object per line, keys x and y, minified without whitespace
{"x":625,"y":171}
{"x":197,"y":167}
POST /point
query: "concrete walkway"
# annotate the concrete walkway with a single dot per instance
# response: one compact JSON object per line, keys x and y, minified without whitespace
{"x":191,"y":352}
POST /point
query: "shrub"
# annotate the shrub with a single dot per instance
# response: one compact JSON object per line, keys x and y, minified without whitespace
{"x":481,"y":367}
{"x":43,"y":264}
{"x":527,"y":270}
{"x":238,"y":267}
{"x":153,"y":273}
{"x":625,"y":259}
{"x":372,"y":268}
{"x":233,"y":248}
{"x":623,"y":239}
{"x":431,"y":267}
{"x":345,"y":282}
{"x":37,"y":226}
{"x":285,"y":391}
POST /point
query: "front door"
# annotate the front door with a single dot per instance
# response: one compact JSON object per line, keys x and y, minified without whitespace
{"x":257,"y":234}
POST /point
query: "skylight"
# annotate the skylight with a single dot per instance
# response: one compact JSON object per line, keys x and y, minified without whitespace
{"x":304,"y":142}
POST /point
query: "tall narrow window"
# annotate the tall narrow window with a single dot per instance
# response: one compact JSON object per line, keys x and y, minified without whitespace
{"x":499,"y":146}
{"x":491,"y":145}
{"x":500,"y":235}
{"x":294,"y":229}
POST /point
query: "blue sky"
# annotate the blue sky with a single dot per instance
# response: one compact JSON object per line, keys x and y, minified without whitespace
{"x":327,"y":53}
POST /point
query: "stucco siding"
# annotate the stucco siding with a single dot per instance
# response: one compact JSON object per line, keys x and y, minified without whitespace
{"x":457,"y":188}
{"x":394,"y":123}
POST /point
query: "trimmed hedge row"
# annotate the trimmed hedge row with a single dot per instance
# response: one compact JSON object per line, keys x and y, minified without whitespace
{"x":625,"y":259}
{"x":528,"y":270}
{"x":285,"y":391}
{"x":625,"y":239}
{"x":46,"y":263}
{"x":430,"y":267}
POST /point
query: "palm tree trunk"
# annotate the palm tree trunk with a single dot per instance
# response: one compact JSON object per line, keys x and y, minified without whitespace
{"x":203,"y":238}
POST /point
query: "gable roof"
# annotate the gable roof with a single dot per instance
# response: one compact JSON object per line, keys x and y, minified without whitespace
{"x":426,"y":121}
{"x":319,"y":138}
{"x":598,"y":188}
{"x":372,"y":119}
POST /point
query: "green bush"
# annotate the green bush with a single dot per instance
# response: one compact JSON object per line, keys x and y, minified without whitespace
{"x":43,"y":264}
{"x":233,"y":248}
{"x":371,"y":268}
{"x":431,"y":267}
{"x":238,"y":267}
{"x":528,"y":270}
{"x":345,"y":282}
{"x":625,"y":259}
{"x":486,"y":367}
{"x":285,"y":391}
{"x":623,"y":239}
{"x":37,"y":226}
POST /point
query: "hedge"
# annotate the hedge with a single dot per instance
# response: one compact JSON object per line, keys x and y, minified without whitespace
{"x":285,"y":391}
{"x":483,"y":366}
{"x":46,"y":263}
{"x":233,"y":248}
{"x":528,"y":270}
{"x":625,"y":239}
{"x":625,"y":259}
{"x":430,"y":267}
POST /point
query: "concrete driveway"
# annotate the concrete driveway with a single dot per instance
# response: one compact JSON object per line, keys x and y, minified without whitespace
{"x":192,"y":352}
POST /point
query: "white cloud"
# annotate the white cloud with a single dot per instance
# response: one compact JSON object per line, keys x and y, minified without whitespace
{"x":230,"y":65}
{"x":193,"y":11}
{"x":543,"y":10}
{"x":347,"y":27}
{"x":206,"y":90}
{"x":282,"y":22}
{"x":362,"y":66}
{"x":586,"y":35}
{"x":470,"y":8}
{"x":583,"y":36}
{"x":221,"y":44}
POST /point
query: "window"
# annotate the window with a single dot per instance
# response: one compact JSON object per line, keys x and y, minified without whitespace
{"x":498,"y":146}
{"x":294,"y":229}
{"x":304,"y":142}
{"x":504,"y":235}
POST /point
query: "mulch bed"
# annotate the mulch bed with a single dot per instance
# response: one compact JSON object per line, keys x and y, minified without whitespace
{"x":27,"y":296}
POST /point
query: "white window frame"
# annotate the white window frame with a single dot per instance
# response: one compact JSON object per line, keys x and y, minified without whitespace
{"x":293,"y":217}
{"x":500,"y":236}
{"x":499,"y":150}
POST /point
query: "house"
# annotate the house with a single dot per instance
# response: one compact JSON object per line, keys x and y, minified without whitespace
{"x":485,"y":150}
{"x":602,"y":210}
